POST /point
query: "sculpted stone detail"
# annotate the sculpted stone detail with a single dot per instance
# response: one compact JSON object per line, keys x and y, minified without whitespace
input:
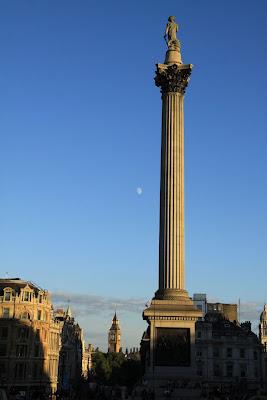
{"x":176,"y":318}
{"x":172,"y":78}
{"x":170,"y":34}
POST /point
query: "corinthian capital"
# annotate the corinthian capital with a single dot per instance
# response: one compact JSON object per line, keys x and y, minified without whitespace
{"x":173,"y":78}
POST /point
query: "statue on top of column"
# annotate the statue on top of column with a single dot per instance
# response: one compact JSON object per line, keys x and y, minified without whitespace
{"x":170,"y":34}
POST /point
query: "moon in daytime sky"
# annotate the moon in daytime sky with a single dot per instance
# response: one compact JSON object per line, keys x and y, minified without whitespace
{"x":139,"y":191}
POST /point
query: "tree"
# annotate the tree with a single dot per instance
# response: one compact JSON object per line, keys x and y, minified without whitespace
{"x":114,"y":369}
{"x":101,"y":368}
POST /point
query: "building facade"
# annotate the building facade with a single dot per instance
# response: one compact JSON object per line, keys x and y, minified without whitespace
{"x":227,"y":353}
{"x":87,"y":360}
{"x":70,"y":366}
{"x":229,"y":311}
{"x":29,"y":338}
{"x":200,"y":301}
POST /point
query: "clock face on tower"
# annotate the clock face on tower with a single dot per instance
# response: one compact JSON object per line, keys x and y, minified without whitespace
{"x":112,"y":336}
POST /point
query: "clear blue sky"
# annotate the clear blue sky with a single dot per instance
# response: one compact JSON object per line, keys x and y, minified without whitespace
{"x":80,"y":132}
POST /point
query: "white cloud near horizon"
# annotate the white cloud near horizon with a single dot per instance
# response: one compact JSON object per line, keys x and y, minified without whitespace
{"x":93,"y":303}
{"x":94,"y":314}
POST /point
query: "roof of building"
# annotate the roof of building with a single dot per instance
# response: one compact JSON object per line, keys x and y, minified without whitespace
{"x":68,"y":312}
{"x":115,"y":317}
{"x":223,"y":327}
{"x":17,"y":284}
{"x":115,"y":323}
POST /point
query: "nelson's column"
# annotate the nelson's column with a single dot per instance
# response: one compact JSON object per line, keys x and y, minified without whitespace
{"x":171,"y":315}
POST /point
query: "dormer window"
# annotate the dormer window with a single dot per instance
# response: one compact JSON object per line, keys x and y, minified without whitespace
{"x":7,"y":294}
{"x":27,"y":296}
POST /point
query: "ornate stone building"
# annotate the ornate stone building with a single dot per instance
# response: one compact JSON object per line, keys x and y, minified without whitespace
{"x":114,"y":336}
{"x":70,"y":367}
{"x":227,"y":353}
{"x":29,"y":338}
{"x":87,"y":360}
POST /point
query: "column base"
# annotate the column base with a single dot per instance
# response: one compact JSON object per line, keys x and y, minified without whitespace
{"x":170,"y":339}
{"x":172,"y":294}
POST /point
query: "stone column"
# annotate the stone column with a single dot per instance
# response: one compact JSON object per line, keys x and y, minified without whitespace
{"x":171,"y":315}
{"x":172,"y":79}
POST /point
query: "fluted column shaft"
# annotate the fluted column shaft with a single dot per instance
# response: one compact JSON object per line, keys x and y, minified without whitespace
{"x":172,"y":79}
{"x":171,"y":243}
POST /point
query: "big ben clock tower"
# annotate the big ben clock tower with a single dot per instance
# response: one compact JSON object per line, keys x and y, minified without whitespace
{"x":114,"y":336}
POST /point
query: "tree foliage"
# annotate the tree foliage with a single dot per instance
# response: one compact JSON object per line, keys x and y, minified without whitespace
{"x":115,"y":369}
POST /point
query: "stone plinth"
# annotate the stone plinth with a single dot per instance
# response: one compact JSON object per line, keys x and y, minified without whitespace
{"x":172,"y":324}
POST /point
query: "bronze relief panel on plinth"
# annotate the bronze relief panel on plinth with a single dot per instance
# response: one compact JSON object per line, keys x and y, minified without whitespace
{"x":172,"y":347}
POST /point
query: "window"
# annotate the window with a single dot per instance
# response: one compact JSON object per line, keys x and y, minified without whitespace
{"x":256,"y":372}
{"x":6,"y":312}
{"x":216,"y":370}
{"x":3,"y":332}
{"x":20,"y":370}
{"x":198,"y":334}
{"x":229,"y":370}
{"x":255,"y":355}
{"x":39,"y":315}
{"x":8,"y":295}
{"x":23,"y":333}
{"x":216,"y":352}
{"x":242,"y":353}
{"x":243,"y":370}
{"x":21,"y":350}
{"x":40,"y":298}
{"x":36,"y":350}
{"x":199,"y":369}
{"x":37,"y":336}
{"x":3,"y":348}
{"x":35,"y":372}
{"x":199,"y":353}
{"x":2,"y":370}
{"x":229,"y":352}
{"x":27,"y":296}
